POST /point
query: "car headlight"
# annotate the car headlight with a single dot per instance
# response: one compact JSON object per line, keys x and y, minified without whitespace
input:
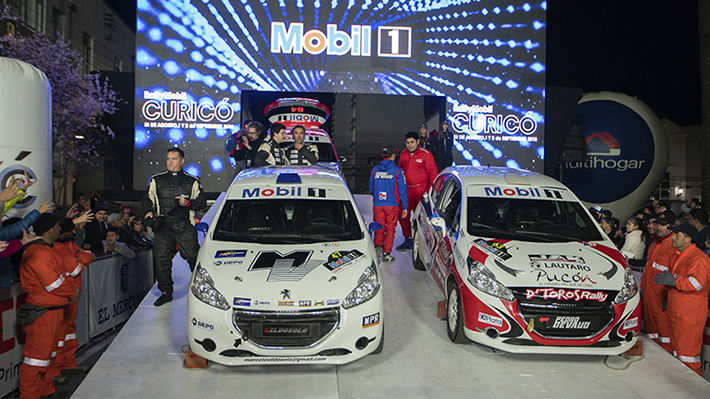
{"x":480,"y":277}
{"x":203,"y":289}
{"x":367,"y":287}
{"x":629,"y":289}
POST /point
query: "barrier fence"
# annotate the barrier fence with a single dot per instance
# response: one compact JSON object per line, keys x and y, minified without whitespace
{"x":112,"y":288}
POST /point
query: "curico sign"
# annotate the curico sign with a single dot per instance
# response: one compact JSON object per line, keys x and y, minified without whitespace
{"x":620,"y":151}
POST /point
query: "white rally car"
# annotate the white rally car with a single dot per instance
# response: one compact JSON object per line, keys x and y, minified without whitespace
{"x":522,"y":265}
{"x":286,"y":274}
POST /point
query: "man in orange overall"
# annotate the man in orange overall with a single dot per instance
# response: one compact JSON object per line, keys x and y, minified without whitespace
{"x":74,"y":260}
{"x":419,"y":172}
{"x":43,"y":280}
{"x":656,"y":323}
{"x":688,"y":282}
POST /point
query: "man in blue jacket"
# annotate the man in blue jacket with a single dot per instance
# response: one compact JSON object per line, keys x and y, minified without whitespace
{"x":389,"y":200}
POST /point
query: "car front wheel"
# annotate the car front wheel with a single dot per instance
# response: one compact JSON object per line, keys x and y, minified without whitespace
{"x":454,"y":316}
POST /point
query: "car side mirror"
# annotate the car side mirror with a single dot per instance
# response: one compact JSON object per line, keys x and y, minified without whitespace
{"x":202,"y":226}
{"x":439,"y":224}
{"x":374,"y":226}
{"x":343,"y":159}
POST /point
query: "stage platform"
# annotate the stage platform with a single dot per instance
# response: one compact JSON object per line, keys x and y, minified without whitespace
{"x":418,"y":361}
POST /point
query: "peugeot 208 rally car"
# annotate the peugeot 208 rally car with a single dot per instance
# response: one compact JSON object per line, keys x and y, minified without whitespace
{"x":286,"y":274}
{"x":522,"y":265}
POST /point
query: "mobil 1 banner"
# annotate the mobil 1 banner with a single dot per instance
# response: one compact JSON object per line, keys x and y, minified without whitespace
{"x":626,"y":152}
{"x":117,"y":286}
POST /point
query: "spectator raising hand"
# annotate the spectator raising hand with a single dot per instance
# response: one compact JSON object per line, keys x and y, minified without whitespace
{"x":46,"y":206}
{"x":84,"y":218}
{"x":11,"y":192}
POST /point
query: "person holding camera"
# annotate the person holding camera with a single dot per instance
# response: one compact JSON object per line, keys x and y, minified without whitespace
{"x":170,"y":203}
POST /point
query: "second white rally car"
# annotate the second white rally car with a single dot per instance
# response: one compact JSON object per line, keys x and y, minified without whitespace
{"x":522,"y":265}
{"x":286,"y":274}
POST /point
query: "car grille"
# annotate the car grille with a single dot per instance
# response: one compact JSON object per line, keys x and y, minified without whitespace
{"x":295,"y":329}
{"x":558,"y":319}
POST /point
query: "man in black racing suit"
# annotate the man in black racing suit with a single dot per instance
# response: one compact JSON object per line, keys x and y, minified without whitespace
{"x":171,"y":201}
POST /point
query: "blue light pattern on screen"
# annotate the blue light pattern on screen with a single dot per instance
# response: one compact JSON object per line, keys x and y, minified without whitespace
{"x":487,"y":58}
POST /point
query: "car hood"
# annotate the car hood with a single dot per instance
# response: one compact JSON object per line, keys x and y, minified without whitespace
{"x":285,"y":276}
{"x":568,"y":265}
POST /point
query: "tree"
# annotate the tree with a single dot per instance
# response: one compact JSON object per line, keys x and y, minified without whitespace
{"x":78,"y":101}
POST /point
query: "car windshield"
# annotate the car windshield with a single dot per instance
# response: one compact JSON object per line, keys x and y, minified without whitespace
{"x":530,"y":220}
{"x":287,"y":221}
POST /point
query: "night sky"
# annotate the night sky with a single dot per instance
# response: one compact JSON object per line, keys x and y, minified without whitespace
{"x":646,"y":49}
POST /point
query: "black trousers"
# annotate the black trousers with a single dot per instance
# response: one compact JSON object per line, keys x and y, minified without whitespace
{"x":171,"y":233}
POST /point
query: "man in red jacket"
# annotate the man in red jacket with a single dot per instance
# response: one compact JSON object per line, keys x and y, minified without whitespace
{"x":688,"y":282}
{"x":74,"y":261}
{"x":419,"y":172}
{"x":43,"y":280}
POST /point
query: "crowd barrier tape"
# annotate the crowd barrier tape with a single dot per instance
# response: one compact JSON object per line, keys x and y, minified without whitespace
{"x":112,"y":288}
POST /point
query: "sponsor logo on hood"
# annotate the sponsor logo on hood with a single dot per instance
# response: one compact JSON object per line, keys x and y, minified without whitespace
{"x":551,"y":277}
{"x":556,"y":258}
{"x":494,"y":248}
{"x":233,"y":253}
{"x":292,"y":266}
{"x":338,"y":260}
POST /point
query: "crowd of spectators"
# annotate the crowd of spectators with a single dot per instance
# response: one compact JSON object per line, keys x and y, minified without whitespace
{"x":46,"y":250}
{"x":672,"y":251}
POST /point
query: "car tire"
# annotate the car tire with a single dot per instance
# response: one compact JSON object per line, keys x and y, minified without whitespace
{"x":381,"y":346}
{"x":416,"y":260}
{"x":454,"y":316}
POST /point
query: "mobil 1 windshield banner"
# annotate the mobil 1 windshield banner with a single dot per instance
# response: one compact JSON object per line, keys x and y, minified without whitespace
{"x":194,"y":58}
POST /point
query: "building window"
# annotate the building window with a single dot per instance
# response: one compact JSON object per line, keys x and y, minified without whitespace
{"x":33,"y":14}
{"x":88,"y":52}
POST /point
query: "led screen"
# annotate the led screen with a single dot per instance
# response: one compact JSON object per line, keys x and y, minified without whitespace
{"x":194,"y":58}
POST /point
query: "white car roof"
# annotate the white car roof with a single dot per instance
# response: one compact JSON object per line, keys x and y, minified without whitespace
{"x":316,"y":182}
{"x":509,"y":182}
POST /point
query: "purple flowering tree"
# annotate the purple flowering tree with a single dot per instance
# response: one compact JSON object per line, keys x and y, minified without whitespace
{"x":78,"y":102}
